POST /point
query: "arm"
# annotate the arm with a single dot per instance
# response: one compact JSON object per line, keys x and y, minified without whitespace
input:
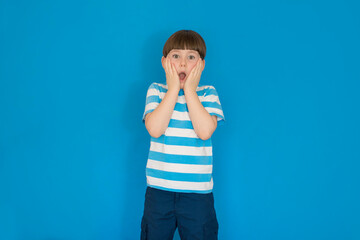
{"x":204,"y":124}
{"x":158,"y":120}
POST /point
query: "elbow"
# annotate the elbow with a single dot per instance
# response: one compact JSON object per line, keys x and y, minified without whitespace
{"x":206,"y":132}
{"x":155,"y":133}
{"x":205,"y":135}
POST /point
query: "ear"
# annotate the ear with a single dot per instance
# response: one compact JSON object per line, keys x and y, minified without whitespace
{"x":162,"y":61}
{"x":203,"y":65}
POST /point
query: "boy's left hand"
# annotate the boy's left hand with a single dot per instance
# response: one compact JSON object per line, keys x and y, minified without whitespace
{"x":194,"y":77}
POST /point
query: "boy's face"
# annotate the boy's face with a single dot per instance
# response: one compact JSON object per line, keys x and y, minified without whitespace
{"x":184,"y":61}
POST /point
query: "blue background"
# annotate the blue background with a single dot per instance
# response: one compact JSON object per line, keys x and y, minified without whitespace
{"x":73,"y":147}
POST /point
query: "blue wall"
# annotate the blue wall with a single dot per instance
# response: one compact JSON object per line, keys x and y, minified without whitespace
{"x":73,"y":148}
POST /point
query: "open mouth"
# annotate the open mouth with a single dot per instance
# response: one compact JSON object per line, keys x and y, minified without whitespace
{"x":182,"y":76}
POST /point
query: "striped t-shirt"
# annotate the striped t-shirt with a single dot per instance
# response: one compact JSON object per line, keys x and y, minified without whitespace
{"x":179,"y":160}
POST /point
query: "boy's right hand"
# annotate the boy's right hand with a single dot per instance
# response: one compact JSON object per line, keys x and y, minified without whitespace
{"x":172,"y":78}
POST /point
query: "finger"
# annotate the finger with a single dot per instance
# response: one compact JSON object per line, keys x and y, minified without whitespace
{"x":171,"y":66}
{"x":192,"y":72}
{"x":171,"y":70}
{"x":200,"y":64}
{"x":197,"y":68}
{"x":174,"y":70}
{"x":165,"y":65}
{"x":168,"y":66}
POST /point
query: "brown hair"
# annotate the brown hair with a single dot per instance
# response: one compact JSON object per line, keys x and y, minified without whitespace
{"x":185,"y":39}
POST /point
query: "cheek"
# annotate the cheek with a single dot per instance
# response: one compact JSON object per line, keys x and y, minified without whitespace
{"x":174,"y":62}
{"x":191,"y":65}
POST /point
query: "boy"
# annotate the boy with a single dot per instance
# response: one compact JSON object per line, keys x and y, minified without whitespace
{"x":181,"y":117}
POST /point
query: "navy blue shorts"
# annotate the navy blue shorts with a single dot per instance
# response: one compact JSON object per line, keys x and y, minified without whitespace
{"x":192,"y":213}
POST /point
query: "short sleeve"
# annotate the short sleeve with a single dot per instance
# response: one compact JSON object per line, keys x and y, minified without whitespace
{"x":211,"y":103}
{"x":152,"y":99}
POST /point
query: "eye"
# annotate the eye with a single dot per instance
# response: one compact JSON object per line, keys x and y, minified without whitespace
{"x":175,"y":56}
{"x":191,"y":57}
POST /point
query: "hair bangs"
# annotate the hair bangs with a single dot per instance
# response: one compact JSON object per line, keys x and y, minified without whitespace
{"x":186,"y":40}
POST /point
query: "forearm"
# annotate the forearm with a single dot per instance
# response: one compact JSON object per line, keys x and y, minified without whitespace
{"x":158,"y":120}
{"x":203,"y":123}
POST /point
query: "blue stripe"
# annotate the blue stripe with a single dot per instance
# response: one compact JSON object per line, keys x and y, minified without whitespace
{"x":211,"y":91}
{"x":221,"y":122}
{"x":202,"y":92}
{"x":153,"y":98}
{"x":180,"y":124}
{"x":206,"y":91}
{"x":162,"y":89}
{"x":154,"y":86}
{"x":183,"y":141}
{"x":180,"y":190}
{"x":185,"y":159}
{"x":174,"y":176}
{"x":181,"y":107}
{"x":212,"y":105}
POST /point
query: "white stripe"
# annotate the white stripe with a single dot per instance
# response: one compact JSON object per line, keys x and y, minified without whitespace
{"x":180,"y":150}
{"x":178,"y":167}
{"x":215,"y":110}
{"x":181,"y":99}
{"x":148,"y":108}
{"x":208,"y":98}
{"x":161,"y":95}
{"x":179,"y":132}
{"x":180,"y":116}
{"x":152,"y":92}
{"x":200,"y":186}
{"x":203,"y":87}
{"x":162,"y":85}
{"x":151,"y":105}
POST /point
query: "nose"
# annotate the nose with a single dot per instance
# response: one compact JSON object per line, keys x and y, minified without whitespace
{"x":183,"y":62}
